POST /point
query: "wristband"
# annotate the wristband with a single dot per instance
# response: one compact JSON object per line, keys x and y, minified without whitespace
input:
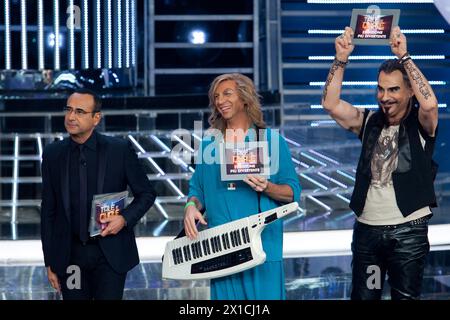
{"x":404,"y":58}
{"x":404,"y":55}
{"x":189,"y":203}
{"x":340,"y":63}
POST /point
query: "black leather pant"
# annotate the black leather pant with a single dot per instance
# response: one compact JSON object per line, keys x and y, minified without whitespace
{"x":400,"y":251}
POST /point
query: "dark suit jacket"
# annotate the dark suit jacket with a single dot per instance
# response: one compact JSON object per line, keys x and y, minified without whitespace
{"x":118,"y":166}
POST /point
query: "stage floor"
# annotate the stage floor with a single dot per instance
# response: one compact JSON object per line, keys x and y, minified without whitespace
{"x":306,"y":279}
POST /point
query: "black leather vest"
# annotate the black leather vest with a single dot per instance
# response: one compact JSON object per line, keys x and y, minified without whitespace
{"x":416,"y":170}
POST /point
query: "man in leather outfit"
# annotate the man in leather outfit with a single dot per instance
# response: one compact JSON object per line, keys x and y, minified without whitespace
{"x":394,"y":189}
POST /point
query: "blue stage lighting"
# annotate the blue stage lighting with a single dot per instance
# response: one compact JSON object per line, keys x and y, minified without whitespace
{"x":51,"y":40}
{"x":197,"y":37}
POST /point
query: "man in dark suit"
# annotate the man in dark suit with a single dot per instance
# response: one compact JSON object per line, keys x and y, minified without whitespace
{"x":73,"y":170}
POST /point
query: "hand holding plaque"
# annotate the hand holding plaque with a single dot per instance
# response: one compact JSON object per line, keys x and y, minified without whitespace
{"x":344,"y":45}
{"x":237,"y":160}
{"x":398,"y":43}
{"x":257,"y":183}
{"x":104,"y":208}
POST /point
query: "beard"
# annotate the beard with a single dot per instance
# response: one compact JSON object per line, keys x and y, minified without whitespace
{"x":385,"y":108}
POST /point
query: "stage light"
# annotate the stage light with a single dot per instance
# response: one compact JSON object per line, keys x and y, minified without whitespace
{"x":7,"y":37}
{"x":127,"y":33}
{"x":65,"y":77}
{"x":23,"y":32}
{"x":85,"y":38}
{"x":133,"y":33}
{"x":71,"y":32}
{"x":56,"y":36}
{"x":15,"y":187}
{"x":41,"y":64}
{"x":51,"y":40}
{"x":197,"y":37}
{"x":119,"y":34}
{"x":98,"y":35}
{"x":109,"y":60}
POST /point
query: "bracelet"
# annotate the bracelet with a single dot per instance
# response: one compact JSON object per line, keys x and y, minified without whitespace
{"x":404,"y":58}
{"x":340,"y":63}
{"x":404,"y":55}
{"x":189,"y":203}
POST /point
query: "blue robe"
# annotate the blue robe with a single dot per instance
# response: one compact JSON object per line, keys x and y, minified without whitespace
{"x":266,"y":281}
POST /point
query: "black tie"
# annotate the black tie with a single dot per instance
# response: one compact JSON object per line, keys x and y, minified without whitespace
{"x":83,"y":195}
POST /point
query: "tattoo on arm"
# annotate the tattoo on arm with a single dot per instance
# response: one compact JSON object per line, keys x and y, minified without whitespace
{"x":330,"y":77}
{"x":418,"y":79}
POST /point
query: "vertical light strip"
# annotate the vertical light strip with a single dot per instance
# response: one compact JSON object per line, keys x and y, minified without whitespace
{"x":256,"y":43}
{"x":109,"y":43}
{"x":133,"y":33}
{"x":149,"y":49}
{"x":57,"y":58}
{"x":127,"y":33}
{"x":98,"y":35}
{"x":119,"y":34}
{"x":23,"y":33}
{"x":268,"y":42}
{"x":39,"y":144}
{"x":7,"y":37}
{"x":15,"y":184}
{"x":71,"y":36}
{"x":85,"y":37}
{"x":41,"y":60}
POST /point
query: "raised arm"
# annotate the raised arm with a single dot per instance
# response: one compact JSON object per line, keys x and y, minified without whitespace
{"x":428,"y":111}
{"x":344,"y":113}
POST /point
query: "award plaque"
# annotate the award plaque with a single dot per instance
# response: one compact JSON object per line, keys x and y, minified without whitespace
{"x":373,"y":27}
{"x":103,"y":206}
{"x":237,"y":160}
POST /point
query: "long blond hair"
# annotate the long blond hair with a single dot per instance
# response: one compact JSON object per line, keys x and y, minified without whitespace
{"x":246,"y":92}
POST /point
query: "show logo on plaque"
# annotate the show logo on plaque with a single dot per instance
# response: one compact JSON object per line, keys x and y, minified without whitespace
{"x":373,"y":26}
{"x":237,"y":160}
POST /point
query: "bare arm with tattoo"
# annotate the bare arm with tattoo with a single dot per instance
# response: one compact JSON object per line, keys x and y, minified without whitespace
{"x":344,"y":113}
{"x":428,"y":111}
